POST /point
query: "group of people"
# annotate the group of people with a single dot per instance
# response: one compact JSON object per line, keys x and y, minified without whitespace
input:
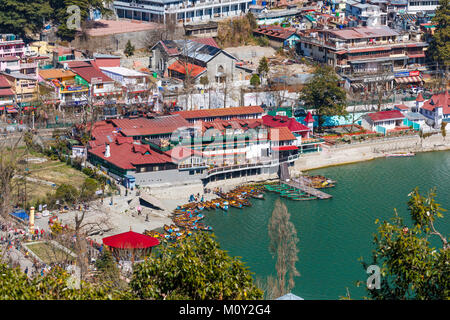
{"x":196,"y":198}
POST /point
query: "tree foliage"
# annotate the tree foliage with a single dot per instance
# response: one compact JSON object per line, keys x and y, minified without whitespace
{"x":323,"y":93}
{"x":439,"y":48}
{"x":20,"y":17}
{"x":255,"y":80}
{"x":410,"y":267}
{"x":237,"y":31}
{"x":56,"y":285}
{"x":66,"y":193}
{"x":195,"y":269}
{"x":108,"y":272}
{"x":24,"y":17}
{"x":129,"y":49}
{"x":263,"y":66}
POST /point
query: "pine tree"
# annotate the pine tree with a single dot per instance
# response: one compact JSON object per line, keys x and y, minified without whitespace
{"x":439,"y":48}
{"x":129,"y":49}
{"x":323,"y":94}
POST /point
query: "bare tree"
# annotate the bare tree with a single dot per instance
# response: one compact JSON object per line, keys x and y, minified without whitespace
{"x":283,"y":246}
{"x":10,"y":156}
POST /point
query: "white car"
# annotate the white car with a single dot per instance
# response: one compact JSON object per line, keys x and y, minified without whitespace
{"x":45,"y":213}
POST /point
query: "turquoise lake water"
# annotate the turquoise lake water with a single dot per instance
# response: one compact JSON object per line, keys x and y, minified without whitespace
{"x":334,"y":233}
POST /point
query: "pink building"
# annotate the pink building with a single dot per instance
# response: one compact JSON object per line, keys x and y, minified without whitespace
{"x":10,"y":46}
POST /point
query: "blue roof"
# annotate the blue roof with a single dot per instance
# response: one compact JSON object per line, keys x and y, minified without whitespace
{"x":21,"y":214}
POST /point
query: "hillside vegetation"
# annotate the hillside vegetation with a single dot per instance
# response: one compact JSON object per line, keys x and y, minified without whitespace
{"x":239,"y":32}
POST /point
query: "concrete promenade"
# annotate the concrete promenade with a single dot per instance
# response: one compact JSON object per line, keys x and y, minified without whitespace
{"x":364,"y":151}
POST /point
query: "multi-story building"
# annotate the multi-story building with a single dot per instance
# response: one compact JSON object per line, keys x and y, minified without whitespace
{"x":365,"y":56}
{"x":221,"y":67}
{"x":367,"y":15}
{"x":11,"y":46}
{"x":67,"y":91}
{"x":25,"y":88}
{"x":135,"y":85}
{"x":425,"y":6}
{"x":6,"y":95}
{"x":183,"y":11}
{"x":102,"y":89}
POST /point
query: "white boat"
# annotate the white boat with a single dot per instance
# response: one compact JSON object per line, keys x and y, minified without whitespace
{"x":401,"y":154}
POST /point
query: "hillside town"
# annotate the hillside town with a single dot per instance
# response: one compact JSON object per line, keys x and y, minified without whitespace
{"x":157,"y":111}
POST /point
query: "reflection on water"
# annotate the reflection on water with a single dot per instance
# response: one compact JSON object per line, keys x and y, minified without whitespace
{"x":335,"y":233}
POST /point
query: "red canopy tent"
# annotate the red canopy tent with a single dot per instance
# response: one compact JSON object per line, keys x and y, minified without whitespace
{"x":130,"y":241}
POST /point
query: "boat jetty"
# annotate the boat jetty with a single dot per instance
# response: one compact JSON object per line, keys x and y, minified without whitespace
{"x":187,"y":218}
{"x":302,"y":188}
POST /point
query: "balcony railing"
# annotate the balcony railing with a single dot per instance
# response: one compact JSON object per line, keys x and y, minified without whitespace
{"x":261,"y":164}
{"x":336,"y":46}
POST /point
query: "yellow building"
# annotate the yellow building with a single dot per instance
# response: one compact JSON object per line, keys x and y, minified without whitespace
{"x":67,"y":91}
{"x":24,"y":86}
{"x":42,"y":47}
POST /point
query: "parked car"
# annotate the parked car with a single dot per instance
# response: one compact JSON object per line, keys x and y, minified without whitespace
{"x":416,"y":90}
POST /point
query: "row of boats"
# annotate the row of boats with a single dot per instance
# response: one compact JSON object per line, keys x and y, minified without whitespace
{"x":293,"y":193}
{"x":319,"y":182}
{"x":186,"y":218}
{"x":289,"y":192}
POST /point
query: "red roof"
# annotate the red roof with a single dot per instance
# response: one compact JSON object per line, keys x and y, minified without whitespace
{"x":309,"y":118}
{"x":179,"y":153}
{"x":235,"y":124}
{"x":284,"y":121}
{"x":208,"y":41}
{"x":420,"y":97}
{"x":6,"y":92}
{"x":274,"y":32}
{"x":369,"y":50}
{"x":130,"y":240}
{"x":4,"y":83}
{"x":438,"y":100}
{"x":127,"y":155}
{"x":220,"y":112}
{"x":280,"y":134}
{"x":145,"y":126}
{"x":87,"y":73}
{"x":77,"y":64}
{"x":386,"y":115}
{"x":181,"y":67}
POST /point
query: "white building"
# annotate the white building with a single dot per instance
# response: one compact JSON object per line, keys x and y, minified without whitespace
{"x":415,"y":6}
{"x":368,"y":15}
{"x":183,"y":11}
{"x":135,"y":84}
{"x":387,"y":120}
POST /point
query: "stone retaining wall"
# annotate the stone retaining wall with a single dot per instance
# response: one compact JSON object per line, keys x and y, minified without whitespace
{"x":331,"y":156}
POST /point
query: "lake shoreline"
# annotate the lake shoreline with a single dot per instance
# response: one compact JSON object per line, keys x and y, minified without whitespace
{"x":354,"y":153}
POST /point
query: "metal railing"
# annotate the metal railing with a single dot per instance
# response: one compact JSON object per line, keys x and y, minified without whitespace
{"x":238,"y":167}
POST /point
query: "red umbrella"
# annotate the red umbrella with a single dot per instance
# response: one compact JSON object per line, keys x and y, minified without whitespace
{"x":130,"y":240}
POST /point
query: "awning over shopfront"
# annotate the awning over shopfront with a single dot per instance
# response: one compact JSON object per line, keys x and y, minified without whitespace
{"x":107,"y":93}
{"x":408,"y":79}
{"x":285,"y":148}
